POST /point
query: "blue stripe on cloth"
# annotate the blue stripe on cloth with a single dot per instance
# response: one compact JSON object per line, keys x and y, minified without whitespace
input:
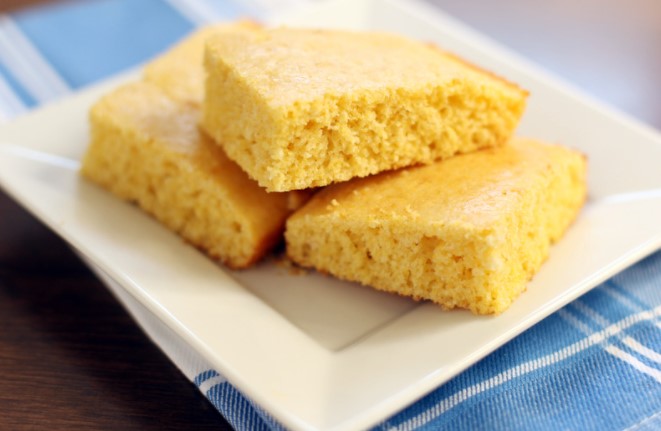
{"x":601,"y":304}
{"x":16,"y":88}
{"x":238,"y":411}
{"x":623,"y":296}
{"x":644,"y":283}
{"x":650,"y":423}
{"x":101,"y":37}
{"x":204,"y":376}
{"x":637,"y":343}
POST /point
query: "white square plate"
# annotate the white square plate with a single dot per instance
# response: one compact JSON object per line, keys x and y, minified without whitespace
{"x":323,"y":354}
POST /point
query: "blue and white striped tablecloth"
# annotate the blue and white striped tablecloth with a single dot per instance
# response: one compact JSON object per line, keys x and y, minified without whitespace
{"x":595,"y":364}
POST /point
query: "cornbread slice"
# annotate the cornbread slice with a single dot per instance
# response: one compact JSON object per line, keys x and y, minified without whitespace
{"x":180,"y":71}
{"x":467,"y":232}
{"x":147,"y":148}
{"x":302,"y":108}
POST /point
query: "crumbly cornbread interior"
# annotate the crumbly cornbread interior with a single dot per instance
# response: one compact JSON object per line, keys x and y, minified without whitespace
{"x":467,"y":232}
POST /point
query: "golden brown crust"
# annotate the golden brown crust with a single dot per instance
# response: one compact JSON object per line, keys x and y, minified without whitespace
{"x":479,"y":69}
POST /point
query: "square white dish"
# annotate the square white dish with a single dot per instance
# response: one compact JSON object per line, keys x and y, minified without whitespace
{"x":315,"y":352}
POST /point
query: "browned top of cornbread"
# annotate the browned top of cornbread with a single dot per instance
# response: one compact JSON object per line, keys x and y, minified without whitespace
{"x":443,"y":193}
{"x":180,"y":71}
{"x":144,"y":108}
{"x":287,"y":65}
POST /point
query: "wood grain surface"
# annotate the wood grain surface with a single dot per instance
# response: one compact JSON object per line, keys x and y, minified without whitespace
{"x":70,"y":356}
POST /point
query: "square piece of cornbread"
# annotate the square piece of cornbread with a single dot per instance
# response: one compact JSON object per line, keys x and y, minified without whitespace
{"x":299,"y":108}
{"x":179,"y":71}
{"x":467,"y":232}
{"x":147,"y":148}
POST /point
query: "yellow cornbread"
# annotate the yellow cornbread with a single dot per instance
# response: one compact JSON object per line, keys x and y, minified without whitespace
{"x":467,"y":232}
{"x":147,"y":148}
{"x":180,"y":71}
{"x":302,"y":108}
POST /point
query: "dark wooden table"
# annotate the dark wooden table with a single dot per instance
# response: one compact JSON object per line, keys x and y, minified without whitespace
{"x":70,"y":356}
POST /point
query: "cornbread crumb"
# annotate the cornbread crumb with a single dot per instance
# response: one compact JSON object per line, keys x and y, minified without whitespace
{"x":284,"y":262}
{"x":179,"y":72}
{"x":302,"y":108}
{"x":146,"y":148}
{"x":467,"y":232}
